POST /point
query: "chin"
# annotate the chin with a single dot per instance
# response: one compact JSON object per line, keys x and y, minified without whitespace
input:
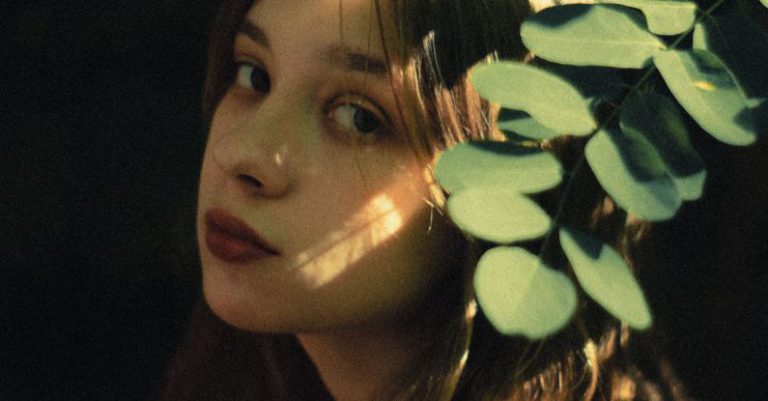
{"x":237,"y":308}
{"x":227,"y":303}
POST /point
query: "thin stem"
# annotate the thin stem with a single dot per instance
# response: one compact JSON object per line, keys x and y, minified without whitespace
{"x":561,"y":206}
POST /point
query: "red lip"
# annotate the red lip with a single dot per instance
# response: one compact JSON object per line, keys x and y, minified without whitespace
{"x":232,"y":240}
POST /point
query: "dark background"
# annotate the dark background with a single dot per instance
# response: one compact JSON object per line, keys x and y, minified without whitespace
{"x":99,"y":151}
{"x":100,"y":142}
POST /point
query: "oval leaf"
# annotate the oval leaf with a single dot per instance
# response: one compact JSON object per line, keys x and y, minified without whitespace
{"x":665,"y":17}
{"x":520,"y":295}
{"x":524,"y":125}
{"x":709,"y":93}
{"x":546,"y":97}
{"x":632,"y":172}
{"x":701,"y":38}
{"x":603,"y":275}
{"x":498,"y":215}
{"x":741,"y":43}
{"x":595,"y":84}
{"x":583,"y":34}
{"x":657,"y":119}
{"x":497,"y":164}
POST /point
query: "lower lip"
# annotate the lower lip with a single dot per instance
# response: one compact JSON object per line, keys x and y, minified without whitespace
{"x":232,"y":249}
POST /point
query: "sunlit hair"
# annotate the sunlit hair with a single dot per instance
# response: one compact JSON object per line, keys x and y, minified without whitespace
{"x":434,"y":42}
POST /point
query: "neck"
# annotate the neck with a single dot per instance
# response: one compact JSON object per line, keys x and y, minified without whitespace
{"x":359,"y":364}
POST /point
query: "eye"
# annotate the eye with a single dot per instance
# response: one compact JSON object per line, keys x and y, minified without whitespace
{"x":252,"y":77}
{"x":358,"y":119}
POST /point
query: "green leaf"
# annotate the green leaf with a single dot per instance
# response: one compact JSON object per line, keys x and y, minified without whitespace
{"x":701,"y":38}
{"x":658,"y":119}
{"x":738,"y":39}
{"x":665,"y":17}
{"x":521,"y":295}
{"x":765,"y":2}
{"x":595,"y":84}
{"x":498,"y":215}
{"x":524,"y":125}
{"x":603,"y":275}
{"x":709,"y":93}
{"x":546,"y":97}
{"x":584,"y":34}
{"x":497,"y":164}
{"x":632,"y":172}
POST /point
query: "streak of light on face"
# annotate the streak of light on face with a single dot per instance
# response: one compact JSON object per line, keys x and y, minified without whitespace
{"x":323,"y":262}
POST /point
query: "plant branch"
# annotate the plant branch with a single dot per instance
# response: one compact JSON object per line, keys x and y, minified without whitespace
{"x":611,"y":117}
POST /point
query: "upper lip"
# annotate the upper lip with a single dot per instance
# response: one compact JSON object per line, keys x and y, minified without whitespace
{"x":223,"y":221}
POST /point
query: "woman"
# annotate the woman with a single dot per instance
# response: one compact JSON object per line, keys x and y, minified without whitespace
{"x":329,"y":269}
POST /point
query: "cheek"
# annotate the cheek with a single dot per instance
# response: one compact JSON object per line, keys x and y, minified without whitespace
{"x":370,"y":208}
{"x":210,"y":185}
{"x":391,"y":272}
{"x":210,"y":174}
{"x":406,"y":272}
{"x":228,"y":114}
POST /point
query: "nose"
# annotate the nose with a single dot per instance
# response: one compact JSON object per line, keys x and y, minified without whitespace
{"x":254,"y":155}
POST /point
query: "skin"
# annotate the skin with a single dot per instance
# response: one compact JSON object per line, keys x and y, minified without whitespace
{"x":360,"y":252}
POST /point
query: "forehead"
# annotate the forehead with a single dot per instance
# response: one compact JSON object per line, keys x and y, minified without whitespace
{"x":351,"y":23}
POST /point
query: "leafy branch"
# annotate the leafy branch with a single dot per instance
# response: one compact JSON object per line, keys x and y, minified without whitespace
{"x":640,"y":152}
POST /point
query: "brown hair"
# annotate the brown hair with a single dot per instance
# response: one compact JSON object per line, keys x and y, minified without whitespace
{"x":435,"y":43}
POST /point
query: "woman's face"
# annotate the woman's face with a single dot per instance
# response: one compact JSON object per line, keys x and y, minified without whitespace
{"x":306,"y":152}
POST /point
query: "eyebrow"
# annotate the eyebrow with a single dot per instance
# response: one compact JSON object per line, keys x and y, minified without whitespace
{"x":339,"y":55}
{"x":255,"y":33}
{"x":350,"y":60}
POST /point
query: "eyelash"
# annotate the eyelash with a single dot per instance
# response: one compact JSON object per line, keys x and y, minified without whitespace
{"x":244,"y":78}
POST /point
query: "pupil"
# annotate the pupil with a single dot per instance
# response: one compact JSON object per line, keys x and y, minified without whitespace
{"x":260,"y":80}
{"x":365,"y":121}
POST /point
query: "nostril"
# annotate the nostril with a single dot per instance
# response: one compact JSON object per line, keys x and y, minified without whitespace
{"x":250,"y":180}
